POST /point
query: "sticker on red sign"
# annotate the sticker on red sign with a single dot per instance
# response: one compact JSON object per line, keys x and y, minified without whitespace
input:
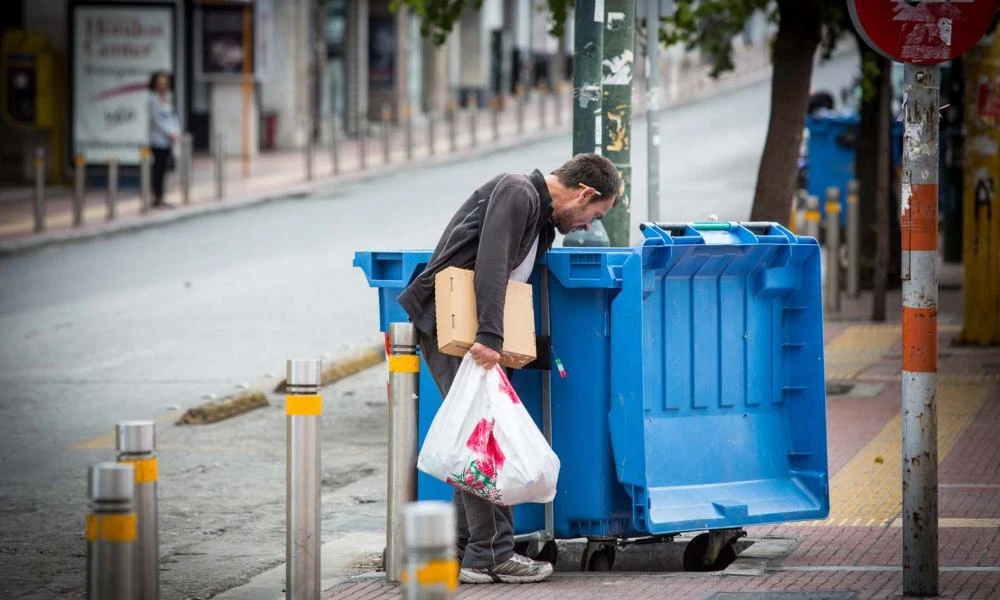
{"x":922,"y":32}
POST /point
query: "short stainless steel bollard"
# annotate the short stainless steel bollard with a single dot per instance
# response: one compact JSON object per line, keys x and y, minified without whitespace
{"x":495,"y":117}
{"x":520,"y":108}
{"x":309,"y":149}
{"x":404,"y":369}
{"x":386,"y":134}
{"x":853,"y":241}
{"x":473,"y":121}
{"x":145,"y":179}
{"x":186,"y":164}
{"x":220,"y":165}
{"x":431,"y":571}
{"x":112,"y":197}
{"x":543,"y":99}
{"x":559,"y":103}
{"x":452,"y":134}
{"x":812,"y":217}
{"x":335,"y":144}
{"x":39,"y":199}
{"x":79,"y":188}
{"x":833,"y":248}
{"x":136,"y":445}
{"x":111,"y":532}
{"x":431,"y":130}
{"x":408,"y":130}
{"x":303,"y":408}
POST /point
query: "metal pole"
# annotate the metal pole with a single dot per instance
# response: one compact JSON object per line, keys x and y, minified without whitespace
{"x":79,"y":188}
{"x":653,"y":109}
{"x":145,"y":180}
{"x":559,"y":102}
{"x":187,"y":159}
{"x":853,"y":241}
{"x":520,"y":109}
{"x":136,"y":445}
{"x":220,"y":165}
{"x":309,"y":148}
{"x":473,"y":120}
{"x":112,"y":197}
{"x":408,"y":130}
{"x":920,"y":298}
{"x":363,"y":142}
{"x":39,"y":190}
{"x":335,"y":144}
{"x":495,"y":117}
{"x":451,"y":125}
{"x":431,"y":569}
{"x":404,"y":369}
{"x":431,"y":126}
{"x":812,"y":217}
{"x":111,"y":532}
{"x":543,"y":98}
{"x":303,"y":408}
{"x":386,"y":123}
{"x":619,"y":42}
{"x":833,"y":248}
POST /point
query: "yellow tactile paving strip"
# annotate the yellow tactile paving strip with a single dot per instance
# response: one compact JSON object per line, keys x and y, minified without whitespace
{"x":867,"y":492}
{"x":857,"y":349}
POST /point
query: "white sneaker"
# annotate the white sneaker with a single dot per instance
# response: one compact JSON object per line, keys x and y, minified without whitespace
{"x":516,"y":569}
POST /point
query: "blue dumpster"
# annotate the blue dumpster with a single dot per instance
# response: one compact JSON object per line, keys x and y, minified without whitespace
{"x":695,"y":394}
{"x":832,"y":147}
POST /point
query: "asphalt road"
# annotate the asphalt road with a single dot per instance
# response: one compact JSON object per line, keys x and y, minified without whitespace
{"x":138,"y":325}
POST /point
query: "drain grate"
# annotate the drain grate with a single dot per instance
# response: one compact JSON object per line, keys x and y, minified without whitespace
{"x":784,"y":596}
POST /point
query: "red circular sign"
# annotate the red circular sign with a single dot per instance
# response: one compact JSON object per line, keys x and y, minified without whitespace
{"x":922,"y":32}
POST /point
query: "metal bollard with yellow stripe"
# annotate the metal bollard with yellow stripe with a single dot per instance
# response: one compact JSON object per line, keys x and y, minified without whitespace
{"x":136,"y":445}
{"x":303,"y":408}
{"x":112,"y":528}
{"x":404,"y":369}
{"x":812,"y":217}
{"x":431,"y":571}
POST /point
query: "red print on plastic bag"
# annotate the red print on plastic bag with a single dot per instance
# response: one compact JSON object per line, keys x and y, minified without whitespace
{"x":506,"y":388}
{"x":480,"y":477}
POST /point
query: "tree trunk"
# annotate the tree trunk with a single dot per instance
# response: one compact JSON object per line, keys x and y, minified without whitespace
{"x":883,"y":176}
{"x":865,"y":161}
{"x":794,"y":49}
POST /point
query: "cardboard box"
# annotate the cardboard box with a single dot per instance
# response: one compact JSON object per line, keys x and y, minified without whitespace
{"x":457,"y":321}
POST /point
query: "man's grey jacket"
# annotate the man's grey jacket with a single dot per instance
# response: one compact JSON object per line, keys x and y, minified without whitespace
{"x":491,"y":233}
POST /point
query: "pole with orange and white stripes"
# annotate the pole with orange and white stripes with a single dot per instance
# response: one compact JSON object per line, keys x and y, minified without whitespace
{"x":919,"y":201}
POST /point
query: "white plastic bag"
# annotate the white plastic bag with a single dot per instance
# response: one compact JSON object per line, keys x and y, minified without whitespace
{"x":484,"y":442}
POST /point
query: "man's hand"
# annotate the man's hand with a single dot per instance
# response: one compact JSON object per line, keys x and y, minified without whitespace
{"x":484,"y":356}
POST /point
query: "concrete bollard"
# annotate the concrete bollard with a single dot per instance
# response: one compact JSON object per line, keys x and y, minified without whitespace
{"x":404,"y":369}
{"x":309,"y":148}
{"x":431,"y":571}
{"x":408,"y":130}
{"x":473,"y":120}
{"x":220,"y":165}
{"x":452,"y":135}
{"x":145,"y":180}
{"x":519,"y":91}
{"x":39,"y":198}
{"x":812,"y":217}
{"x":335,"y":144}
{"x":79,"y":188}
{"x":112,"y":191}
{"x":386,"y":133}
{"x":303,"y":409}
{"x":136,"y":445}
{"x":833,"y":248}
{"x":495,"y":117}
{"x":853,"y":241}
{"x":111,"y":532}
{"x":187,"y":162}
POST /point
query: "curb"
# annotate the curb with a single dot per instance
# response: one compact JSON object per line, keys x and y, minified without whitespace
{"x":218,"y":410}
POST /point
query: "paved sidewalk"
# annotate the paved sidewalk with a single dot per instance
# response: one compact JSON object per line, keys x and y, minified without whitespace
{"x":856,"y":552}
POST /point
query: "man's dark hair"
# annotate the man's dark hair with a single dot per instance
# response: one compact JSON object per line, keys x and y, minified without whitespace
{"x":591,"y":170}
{"x":155,"y":74}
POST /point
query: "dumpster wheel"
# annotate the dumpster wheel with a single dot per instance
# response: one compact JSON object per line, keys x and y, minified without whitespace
{"x":598,"y":556}
{"x":697,"y":556}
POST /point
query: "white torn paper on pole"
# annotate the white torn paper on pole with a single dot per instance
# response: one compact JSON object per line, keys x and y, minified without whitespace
{"x":599,"y":11}
{"x":906,"y":194}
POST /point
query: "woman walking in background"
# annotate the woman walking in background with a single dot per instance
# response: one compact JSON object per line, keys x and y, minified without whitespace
{"x":164,"y":130}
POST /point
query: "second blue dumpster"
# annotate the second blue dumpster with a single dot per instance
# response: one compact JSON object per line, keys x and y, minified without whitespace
{"x":694,"y":396}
